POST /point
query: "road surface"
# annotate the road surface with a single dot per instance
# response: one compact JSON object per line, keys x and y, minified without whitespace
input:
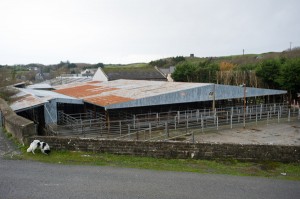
{"x":21,"y":179}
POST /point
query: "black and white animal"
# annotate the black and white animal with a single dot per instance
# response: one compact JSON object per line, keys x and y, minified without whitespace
{"x":45,"y":148}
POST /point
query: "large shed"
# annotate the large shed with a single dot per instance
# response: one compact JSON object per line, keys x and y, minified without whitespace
{"x":124,"y":94}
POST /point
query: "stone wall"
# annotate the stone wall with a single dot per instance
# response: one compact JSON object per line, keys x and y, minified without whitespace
{"x":178,"y":149}
{"x":21,"y":128}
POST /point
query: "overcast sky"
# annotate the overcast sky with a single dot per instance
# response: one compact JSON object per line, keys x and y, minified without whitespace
{"x":128,"y":31}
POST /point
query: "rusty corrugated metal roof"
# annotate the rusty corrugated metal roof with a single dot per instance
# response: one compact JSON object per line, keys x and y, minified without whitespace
{"x":120,"y":91}
{"x":137,"y":93}
{"x":29,"y":98}
{"x":26,"y":101}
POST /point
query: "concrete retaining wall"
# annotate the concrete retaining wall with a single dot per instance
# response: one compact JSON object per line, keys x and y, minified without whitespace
{"x":178,"y":149}
{"x":21,"y":128}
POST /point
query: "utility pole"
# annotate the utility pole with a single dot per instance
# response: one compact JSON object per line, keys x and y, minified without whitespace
{"x":244,"y":104}
{"x":214,"y":98}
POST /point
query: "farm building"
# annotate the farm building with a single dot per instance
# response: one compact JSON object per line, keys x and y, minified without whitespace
{"x":110,"y":74}
{"x":118,"y":100}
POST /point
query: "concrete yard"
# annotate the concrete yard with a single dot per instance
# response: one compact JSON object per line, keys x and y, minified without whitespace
{"x":285,"y":133}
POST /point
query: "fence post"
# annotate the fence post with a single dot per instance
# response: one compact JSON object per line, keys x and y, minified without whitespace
{"x":278,"y":116}
{"x":294,"y":110}
{"x":217,"y":123}
{"x":202,"y":123}
{"x":289,"y":115}
{"x":175,"y":122}
{"x":81,"y":128}
{"x":129,"y":131}
{"x":260,"y":111}
{"x":268,"y":118}
{"x":120,"y":124}
{"x":215,"y":115}
{"x":178,"y":116}
{"x":167,"y":130}
{"x":227,"y":117}
{"x":197,"y":115}
{"x":193,"y":137}
{"x":280,"y":109}
{"x":150,"y":130}
{"x":256,"y":118}
{"x":187,"y":122}
{"x":231,"y":121}
{"x":133,"y":121}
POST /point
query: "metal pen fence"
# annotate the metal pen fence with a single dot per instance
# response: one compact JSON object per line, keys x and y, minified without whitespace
{"x":173,"y":125}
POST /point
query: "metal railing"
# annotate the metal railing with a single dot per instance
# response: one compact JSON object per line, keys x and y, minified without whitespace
{"x":175,"y":125}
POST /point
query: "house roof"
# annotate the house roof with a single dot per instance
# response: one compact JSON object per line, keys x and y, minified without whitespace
{"x":137,"y":93}
{"x":134,"y":74}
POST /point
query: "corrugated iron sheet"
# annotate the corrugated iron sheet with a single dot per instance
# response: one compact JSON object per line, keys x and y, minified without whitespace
{"x":135,"y":93}
{"x":26,"y":101}
{"x":29,"y":98}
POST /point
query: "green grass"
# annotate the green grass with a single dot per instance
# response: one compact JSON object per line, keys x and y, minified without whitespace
{"x":230,"y":167}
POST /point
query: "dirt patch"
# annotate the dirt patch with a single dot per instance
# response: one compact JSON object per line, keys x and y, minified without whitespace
{"x":283,"y":133}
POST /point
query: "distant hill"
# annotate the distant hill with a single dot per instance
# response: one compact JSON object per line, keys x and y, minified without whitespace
{"x":234,"y":59}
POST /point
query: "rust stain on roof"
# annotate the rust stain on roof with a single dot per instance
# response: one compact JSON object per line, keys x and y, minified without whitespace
{"x":94,"y":82}
{"x":84,"y":91}
{"x":107,"y":100}
{"x":92,"y":93}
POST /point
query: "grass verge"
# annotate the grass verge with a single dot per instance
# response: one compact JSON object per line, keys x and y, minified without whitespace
{"x":231,"y":167}
{"x":274,"y":170}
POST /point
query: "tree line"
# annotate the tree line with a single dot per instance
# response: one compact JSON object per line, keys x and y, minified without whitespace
{"x":275,"y":73}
